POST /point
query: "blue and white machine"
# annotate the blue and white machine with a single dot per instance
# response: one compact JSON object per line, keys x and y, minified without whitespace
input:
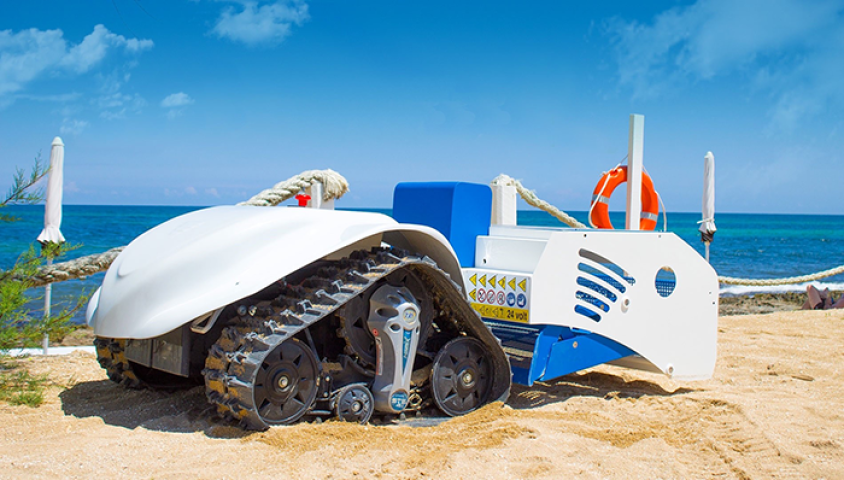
{"x":289,"y":312}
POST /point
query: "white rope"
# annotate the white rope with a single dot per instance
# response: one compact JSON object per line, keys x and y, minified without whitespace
{"x":76,"y":268}
{"x":334,"y":186}
{"x":600,"y":194}
{"x":664,"y":212}
{"x":766,"y":282}
{"x":530,"y":197}
{"x":659,"y":202}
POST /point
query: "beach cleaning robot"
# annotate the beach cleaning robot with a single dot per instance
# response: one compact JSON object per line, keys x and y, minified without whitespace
{"x":289,"y":312}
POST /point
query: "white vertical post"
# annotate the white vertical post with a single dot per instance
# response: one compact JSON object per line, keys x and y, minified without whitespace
{"x":503,"y":205}
{"x":635,"y":155}
{"x":48,"y":300}
{"x":316,"y":191}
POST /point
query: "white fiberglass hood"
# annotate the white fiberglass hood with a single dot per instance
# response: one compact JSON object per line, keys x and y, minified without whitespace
{"x":204,"y":260}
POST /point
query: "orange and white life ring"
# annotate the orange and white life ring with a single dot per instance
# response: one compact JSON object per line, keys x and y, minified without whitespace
{"x":599,"y":211}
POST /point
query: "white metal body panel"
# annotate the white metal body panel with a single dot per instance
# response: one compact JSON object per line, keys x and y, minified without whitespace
{"x":204,"y":260}
{"x":540,"y":233}
{"x":677,"y":333}
{"x":518,"y":254}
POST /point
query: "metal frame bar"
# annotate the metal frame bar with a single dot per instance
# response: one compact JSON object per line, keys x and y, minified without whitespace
{"x":635,"y":154}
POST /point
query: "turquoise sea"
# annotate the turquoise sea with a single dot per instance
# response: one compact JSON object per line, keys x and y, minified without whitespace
{"x":746,"y":245}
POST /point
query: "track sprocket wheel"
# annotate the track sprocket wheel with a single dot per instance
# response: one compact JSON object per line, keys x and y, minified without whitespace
{"x":354,"y":315}
{"x":359,"y":340}
{"x":354,"y":403}
{"x":286,"y":384}
{"x":461,"y":377}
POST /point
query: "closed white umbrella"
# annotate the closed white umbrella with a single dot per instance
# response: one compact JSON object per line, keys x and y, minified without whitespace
{"x":707,"y":222}
{"x":53,"y":216}
{"x":53,"y":206}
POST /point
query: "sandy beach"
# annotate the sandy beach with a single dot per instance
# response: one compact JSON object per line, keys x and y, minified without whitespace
{"x":772,"y":410}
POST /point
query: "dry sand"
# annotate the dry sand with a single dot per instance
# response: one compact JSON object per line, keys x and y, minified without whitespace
{"x":774,"y":409}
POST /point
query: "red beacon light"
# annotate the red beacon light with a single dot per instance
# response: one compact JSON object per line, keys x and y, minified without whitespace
{"x":303,"y":199}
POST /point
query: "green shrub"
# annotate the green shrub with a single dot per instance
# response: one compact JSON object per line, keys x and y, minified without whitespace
{"x":18,"y":328}
{"x":19,"y":387}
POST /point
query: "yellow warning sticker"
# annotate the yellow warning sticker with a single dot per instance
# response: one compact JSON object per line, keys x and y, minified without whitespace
{"x":474,"y":294}
{"x":501,"y":313}
{"x":483,"y":280}
{"x":523,"y":285}
{"x":492,"y":281}
{"x":502,"y":282}
{"x":474,"y":280}
{"x":512,"y":283}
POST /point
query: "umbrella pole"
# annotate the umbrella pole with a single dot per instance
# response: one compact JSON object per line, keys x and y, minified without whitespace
{"x":48,"y":291}
{"x":52,"y":222}
{"x":706,"y":244}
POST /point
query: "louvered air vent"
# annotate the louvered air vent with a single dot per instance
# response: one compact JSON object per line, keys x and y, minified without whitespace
{"x":602,"y":282}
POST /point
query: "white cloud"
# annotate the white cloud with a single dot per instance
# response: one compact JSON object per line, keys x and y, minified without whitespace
{"x":115,"y":106}
{"x":255,"y":24}
{"x":112,"y":102}
{"x":213,"y":192}
{"x":180,"y":192}
{"x":95,"y":46}
{"x":801,"y":45}
{"x":113,"y":114}
{"x":26,"y":55}
{"x":176,"y":100}
{"x":58,"y":98}
{"x":30,"y":54}
{"x":67,"y":111}
{"x":72,"y":126}
{"x":176,"y":103}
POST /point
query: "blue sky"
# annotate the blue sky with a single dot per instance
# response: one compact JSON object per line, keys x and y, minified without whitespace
{"x":207,"y":102}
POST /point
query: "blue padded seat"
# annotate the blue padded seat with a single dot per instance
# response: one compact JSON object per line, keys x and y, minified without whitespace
{"x":460,"y":211}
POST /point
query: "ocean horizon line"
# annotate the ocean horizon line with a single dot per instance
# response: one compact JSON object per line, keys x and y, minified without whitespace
{"x":41,"y":205}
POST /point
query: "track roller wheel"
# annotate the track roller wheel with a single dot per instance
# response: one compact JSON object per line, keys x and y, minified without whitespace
{"x":461,"y":377}
{"x":354,"y":403}
{"x":286,"y":384}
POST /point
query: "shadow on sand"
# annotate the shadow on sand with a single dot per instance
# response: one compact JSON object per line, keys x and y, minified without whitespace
{"x":589,"y":384}
{"x":187,"y":411}
{"x":182,"y":410}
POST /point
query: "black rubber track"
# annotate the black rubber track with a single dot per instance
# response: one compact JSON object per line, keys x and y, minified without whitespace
{"x":235,"y":360}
